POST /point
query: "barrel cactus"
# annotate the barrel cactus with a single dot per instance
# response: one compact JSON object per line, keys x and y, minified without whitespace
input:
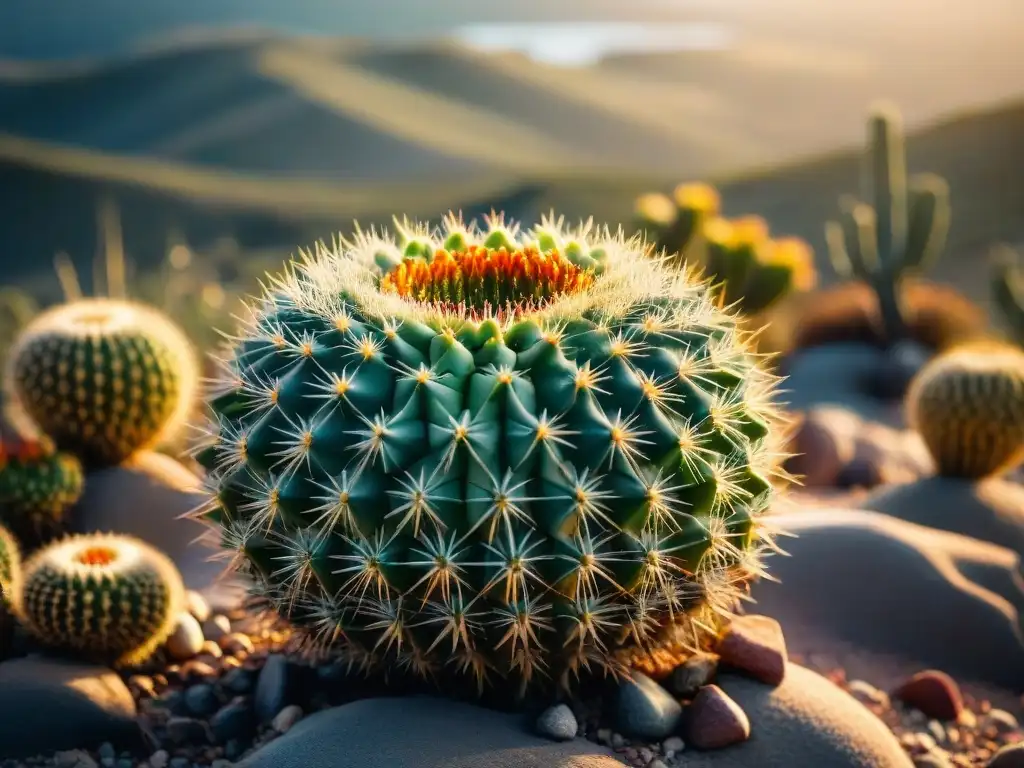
{"x":103,"y":377}
{"x":751,"y":270}
{"x":38,"y":484}
{"x":493,"y":452}
{"x":968,"y":406}
{"x":10,"y":565}
{"x":899,"y":233}
{"x":100,"y":596}
{"x":675,"y":223}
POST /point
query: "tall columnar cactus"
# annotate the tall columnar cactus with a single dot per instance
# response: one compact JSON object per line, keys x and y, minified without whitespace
{"x":38,"y":484}
{"x":101,"y":596}
{"x":104,"y":378}
{"x":968,"y":405}
{"x":901,"y":231}
{"x":750,"y":270}
{"x":493,"y":452}
{"x":674,"y":223}
{"x":1008,"y":288}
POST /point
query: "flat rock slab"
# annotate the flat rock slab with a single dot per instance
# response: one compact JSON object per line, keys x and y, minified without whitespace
{"x":927,"y":598}
{"x":421,"y":732}
{"x":49,"y":705}
{"x":807,"y":721}
{"x":146,"y":497}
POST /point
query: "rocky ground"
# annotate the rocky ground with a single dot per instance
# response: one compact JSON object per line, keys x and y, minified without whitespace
{"x":225,"y":688}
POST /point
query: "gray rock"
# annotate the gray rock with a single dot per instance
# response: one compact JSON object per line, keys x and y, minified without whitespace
{"x":646,"y":709}
{"x":74,"y":758}
{"x":48,"y":705}
{"x":272,"y":688}
{"x":201,"y":700}
{"x":186,"y":730}
{"x":146,"y":497}
{"x":991,"y":510}
{"x":233,"y":721}
{"x":421,"y":732}
{"x":558,"y":723}
{"x":806,"y":721}
{"x":691,"y":675}
{"x":926,"y":599}
{"x":286,"y":718}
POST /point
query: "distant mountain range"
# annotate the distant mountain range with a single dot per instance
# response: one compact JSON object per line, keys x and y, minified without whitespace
{"x":275,"y":140}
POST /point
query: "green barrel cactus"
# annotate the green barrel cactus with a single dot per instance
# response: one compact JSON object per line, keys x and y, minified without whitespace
{"x":675,"y":223}
{"x":750,"y":270}
{"x":101,"y":596}
{"x":103,"y":377}
{"x":901,"y":232}
{"x":1008,"y":289}
{"x":38,"y":484}
{"x":489,"y":452}
{"x":968,"y":406}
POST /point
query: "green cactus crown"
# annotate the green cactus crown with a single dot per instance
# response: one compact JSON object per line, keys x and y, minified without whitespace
{"x":493,"y":451}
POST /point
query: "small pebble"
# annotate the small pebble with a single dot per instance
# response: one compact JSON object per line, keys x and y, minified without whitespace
{"x":197,"y":606}
{"x":932,"y":760}
{"x":755,"y":645}
{"x":186,"y":639}
{"x":998,"y":721}
{"x":645,"y":709}
{"x":558,"y":723}
{"x":1010,"y":756}
{"x":74,"y":758}
{"x":210,"y":648}
{"x":217,"y":627}
{"x":236,"y":643}
{"x":693,"y":674}
{"x":673,"y":744}
{"x":286,"y":718}
{"x":180,"y":762}
{"x":238,"y":680}
{"x":272,"y":688}
{"x":233,"y":721}
{"x":201,"y":700}
{"x":866,"y":693}
{"x":933,"y":693}
{"x":159,"y":759}
{"x":186,"y":730}
{"x":714,"y":720}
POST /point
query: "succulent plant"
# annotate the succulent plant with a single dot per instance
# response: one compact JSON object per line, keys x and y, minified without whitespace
{"x":482,"y":451}
{"x":900,"y":232}
{"x":100,"y":596}
{"x":38,"y":484}
{"x":1008,"y":288}
{"x":752,"y":271}
{"x":674,"y":223}
{"x":103,"y":377}
{"x":968,"y":406}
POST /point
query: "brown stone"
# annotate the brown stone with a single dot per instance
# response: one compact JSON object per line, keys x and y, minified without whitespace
{"x":715,"y":721}
{"x":933,"y":693}
{"x":755,"y":645}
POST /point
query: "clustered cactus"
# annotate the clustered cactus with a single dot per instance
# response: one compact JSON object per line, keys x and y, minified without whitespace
{"x":104,"y":378}
{"x":900,"y":232}
{"x":1008,"y":289}
{"x":675,"y":223}
{"x":107,"y":597}
{"x":38,"y":484}
{"x":492,"y":452}
{"x":752,"y":271}
{"x":968,"y":406}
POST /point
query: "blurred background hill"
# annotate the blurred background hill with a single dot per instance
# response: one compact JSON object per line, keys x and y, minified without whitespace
{"x":268,"y":125}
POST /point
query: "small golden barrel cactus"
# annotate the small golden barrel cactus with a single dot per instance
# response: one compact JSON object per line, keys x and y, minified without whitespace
{"x":10,"y":565}
{"x":968,"y":405}
{"x":104,"y":378}
{"x":675,"y":223}
{"x":38,"y":484}
{"x":101,"y":596}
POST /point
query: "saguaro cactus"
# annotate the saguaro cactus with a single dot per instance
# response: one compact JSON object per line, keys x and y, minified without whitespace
{"x":1008,"y":288}
{"x":902,"y":230}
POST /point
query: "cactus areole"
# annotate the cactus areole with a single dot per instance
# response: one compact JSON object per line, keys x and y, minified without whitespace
{"x":493,"y":453}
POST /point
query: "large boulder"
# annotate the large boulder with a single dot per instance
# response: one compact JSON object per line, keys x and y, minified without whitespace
{"x":148,"y":497}
{"x":421,"y":732}
{"x":991,"y":509}
{"x":861,"y":585}
{"x":49,"y":704}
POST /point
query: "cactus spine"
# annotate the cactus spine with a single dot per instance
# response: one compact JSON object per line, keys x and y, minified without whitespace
{"x":1008,"y":289}
{"x":968,"y":406}
{"x":902,"y":230}
{"x":102,"y":596}
{"x":103,"y":377}
{"x":493,"y":453}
